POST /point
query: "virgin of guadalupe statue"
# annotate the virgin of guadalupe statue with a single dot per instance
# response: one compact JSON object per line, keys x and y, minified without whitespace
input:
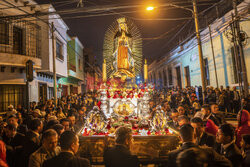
{"x":123,"y":57}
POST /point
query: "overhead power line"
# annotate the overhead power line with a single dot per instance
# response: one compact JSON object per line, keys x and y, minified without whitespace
{"x":49,"y":24}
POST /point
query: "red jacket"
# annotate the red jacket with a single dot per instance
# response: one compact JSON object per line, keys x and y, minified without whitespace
{"x":243,"y":126}
{"x":3,"y":162}
{"x":211,"y":127}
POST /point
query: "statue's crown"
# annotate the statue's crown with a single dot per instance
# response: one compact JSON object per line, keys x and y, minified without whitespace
{"x":121,"y":20}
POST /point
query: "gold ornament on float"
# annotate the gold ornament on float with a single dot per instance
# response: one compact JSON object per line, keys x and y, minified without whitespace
{"x":123,"y":49}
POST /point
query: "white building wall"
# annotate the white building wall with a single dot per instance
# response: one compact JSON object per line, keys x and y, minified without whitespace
{"x":222,"y":50}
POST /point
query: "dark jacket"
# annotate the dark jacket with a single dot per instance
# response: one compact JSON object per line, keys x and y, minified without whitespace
{"x":172,"y":155}
{"x":234,"y":155}
{"x":218,"y":119}
{"x":120,"y":156}
{"x":13,"y":148}
{"x":207,"y":139}
{"x":214,"y":159}
{"x":31,"y":143}
{"x":66,"y":159}
{"x":17,"y":140}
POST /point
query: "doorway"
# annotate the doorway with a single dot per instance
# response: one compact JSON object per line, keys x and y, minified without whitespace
{"x":187,"y":76}
{"x":42,"y":92}
{"x":178,"y":74}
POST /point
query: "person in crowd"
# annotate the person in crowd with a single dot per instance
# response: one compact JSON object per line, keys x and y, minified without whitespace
{"x":69,"y":143}
{"x":236,"y":100}
{"x":181,"y":110}
{"x":196,"y":105}
{"x":48,"y":150}
{"x":11,"y":111}
{"x":205,"y":114}
{"x":246,"y":150}
{"x":13,"y":142}
{"x":12,"y":119}
{"x":183,"y":120}
{"x":222,"y":99}
{"x":51,"y":123}
{"x":192,"y":157}
{"x":187,"y":138}
{"x":19,"y":118}
{"x":66,"y":123}
{"x":201,"y":137}
{"x":21,"y":110}
{"x":43,"y":110}
{"x":72,"y":121}
{"x":173,"y":123}
{"x":245,"y":104}
{"x":243,"y":119}
{"x":60,"y":114}
{"x":225,"y":137}
{"x":120,"y":155}
{"x":36,"y":113}
{"x":59,"y":129}
{"x":32,"y":139}
{"x":3,"y":161}
{"x":216,"y":116}
{"x":228,"y":99}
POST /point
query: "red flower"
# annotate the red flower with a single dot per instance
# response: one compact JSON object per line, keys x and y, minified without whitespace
{"x":136,"y":133}
{"x":148,"y":133}
{"x":108,"y":126}
{"x":134,"y":128}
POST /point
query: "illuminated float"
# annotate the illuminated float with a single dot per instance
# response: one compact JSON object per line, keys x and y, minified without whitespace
{"x":123,"y":102}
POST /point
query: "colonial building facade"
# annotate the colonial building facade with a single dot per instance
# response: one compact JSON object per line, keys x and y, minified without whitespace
{"x":30,"y":38}
{"x":74,"y":83}
{"x":181,"y":68}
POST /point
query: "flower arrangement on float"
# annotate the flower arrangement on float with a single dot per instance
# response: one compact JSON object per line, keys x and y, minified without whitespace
{"x":97,"y":124}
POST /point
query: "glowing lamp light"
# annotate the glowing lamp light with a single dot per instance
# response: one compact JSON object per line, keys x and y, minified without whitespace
{"x":150,"y":8}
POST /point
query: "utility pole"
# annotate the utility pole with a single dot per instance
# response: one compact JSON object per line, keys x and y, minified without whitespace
{"x":54,"y":62}
{"x":239,"y":42}
{"x":195,"y":12}
{"x":236,"y":57}
{"x":212,"y":47}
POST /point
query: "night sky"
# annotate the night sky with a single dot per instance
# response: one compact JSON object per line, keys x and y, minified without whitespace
{"x":91,"y":30}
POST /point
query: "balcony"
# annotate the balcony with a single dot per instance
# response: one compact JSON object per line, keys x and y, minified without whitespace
{"x":7,"y":59}
{"x":20,"y":40}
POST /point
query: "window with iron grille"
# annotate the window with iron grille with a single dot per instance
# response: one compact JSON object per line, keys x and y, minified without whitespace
{"x":12,"y":94}
{"x":59,"y":49}
{"x":20,"y":37}
{"x":4,"y":33}
{"x":18,"y":42}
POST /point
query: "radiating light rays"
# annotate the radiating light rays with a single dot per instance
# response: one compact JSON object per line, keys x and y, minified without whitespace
{"x":110,"y":44}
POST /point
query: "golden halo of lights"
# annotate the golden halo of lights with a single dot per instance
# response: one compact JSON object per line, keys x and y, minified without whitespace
{"x":110,"y":44}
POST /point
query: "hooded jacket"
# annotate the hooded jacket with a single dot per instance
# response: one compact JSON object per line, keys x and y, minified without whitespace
{"x":243,"y":126}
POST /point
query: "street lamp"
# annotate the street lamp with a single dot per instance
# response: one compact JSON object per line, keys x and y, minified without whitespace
{"x":150,"y":8}
{"x":195,"y":14}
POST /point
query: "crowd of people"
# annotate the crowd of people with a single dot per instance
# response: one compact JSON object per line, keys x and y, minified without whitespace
{"x":46,"y":135}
